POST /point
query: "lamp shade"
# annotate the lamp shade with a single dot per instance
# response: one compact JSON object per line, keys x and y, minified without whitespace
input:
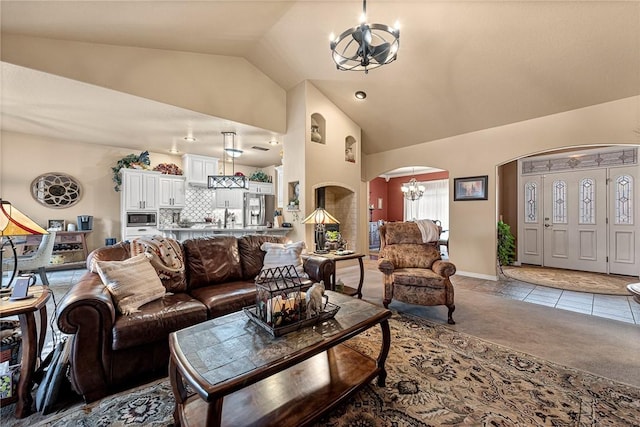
{"x":320,"y":216}
{"x":15,"y":223}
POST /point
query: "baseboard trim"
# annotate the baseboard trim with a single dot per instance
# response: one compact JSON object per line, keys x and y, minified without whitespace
{"x":477,"y":275}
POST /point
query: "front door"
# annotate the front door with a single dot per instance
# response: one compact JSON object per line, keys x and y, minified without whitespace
{"x":575,"y":220}
{"x":624,"y":238}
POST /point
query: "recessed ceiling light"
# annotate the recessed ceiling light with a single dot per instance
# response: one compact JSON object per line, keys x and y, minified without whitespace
{"x":361,"y":94}
{"x":174,"y":151}
{"x":190,"y":138}
{"x":273,"y":142}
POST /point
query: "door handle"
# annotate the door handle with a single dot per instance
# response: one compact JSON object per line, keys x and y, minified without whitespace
{"x":548,"y":225}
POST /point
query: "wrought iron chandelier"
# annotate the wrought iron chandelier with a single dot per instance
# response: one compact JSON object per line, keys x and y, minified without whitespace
{"x":232,"y":181}
{"x":412,"y":190}
{"x":365,"y":46}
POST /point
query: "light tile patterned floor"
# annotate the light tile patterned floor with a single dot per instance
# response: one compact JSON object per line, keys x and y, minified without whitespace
{"x":622,"y":308}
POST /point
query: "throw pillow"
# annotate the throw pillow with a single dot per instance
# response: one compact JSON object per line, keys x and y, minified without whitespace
{"x":281,"y":254}
{"x":132,"y":282}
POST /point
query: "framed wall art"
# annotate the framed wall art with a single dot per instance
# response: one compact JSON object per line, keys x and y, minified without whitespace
{"x":470,"y":188}
{"x":56,"y":225}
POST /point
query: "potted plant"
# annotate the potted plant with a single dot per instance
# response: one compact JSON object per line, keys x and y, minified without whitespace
{"x":259,"y":176}
{"x":130,"y":161}
{"x":506,"y":244}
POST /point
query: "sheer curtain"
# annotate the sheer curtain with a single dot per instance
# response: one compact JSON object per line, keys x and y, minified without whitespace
{"x":434,"y":203}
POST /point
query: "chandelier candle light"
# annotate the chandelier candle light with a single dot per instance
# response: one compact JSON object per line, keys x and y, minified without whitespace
{"x":354,"y":49}
{"x":412,"y":190}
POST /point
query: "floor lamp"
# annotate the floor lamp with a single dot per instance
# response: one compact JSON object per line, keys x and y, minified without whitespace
{"x":14,"y":223}
{"x":320,"y":217}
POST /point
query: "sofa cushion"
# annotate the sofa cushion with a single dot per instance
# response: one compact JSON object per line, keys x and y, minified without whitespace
{"x":226,"y":298}
{"x":131,"y":283}
{"x":212,"y":260}
{"x":156,"y":320}
{"x":411,"y":255}
{"x":166,"y":257}
{"x":251,"y":256}
{"x":117,"y":252}
{"x":281,"y":254}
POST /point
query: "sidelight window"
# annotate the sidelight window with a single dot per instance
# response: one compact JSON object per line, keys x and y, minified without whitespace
{"x":624,"y":200}
{"x":531,"y":202}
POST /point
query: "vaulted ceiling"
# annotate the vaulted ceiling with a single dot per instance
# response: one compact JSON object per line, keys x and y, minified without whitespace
{"x":462,"y":65}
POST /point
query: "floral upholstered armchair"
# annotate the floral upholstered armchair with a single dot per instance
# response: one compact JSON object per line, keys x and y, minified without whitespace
{"x":413,"y":271}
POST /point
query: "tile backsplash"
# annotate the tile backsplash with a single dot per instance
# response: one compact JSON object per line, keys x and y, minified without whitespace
{"x":199,"y":204}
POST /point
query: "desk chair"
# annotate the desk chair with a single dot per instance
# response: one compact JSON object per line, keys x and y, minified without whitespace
{"x":38,"y":260}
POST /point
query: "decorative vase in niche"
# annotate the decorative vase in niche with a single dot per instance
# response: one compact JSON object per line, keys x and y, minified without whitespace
{"x":315,"y":134}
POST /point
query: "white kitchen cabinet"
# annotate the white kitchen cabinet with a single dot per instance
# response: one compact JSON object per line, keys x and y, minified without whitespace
{"x":230,"y":199}
{"x":261,"y":187}
{"x":171,"y":191}
{"x":198,"y":168}
{"x":139,"y":190}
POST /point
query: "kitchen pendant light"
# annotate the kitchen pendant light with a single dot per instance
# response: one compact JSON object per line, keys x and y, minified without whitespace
{"x":233,"y":181}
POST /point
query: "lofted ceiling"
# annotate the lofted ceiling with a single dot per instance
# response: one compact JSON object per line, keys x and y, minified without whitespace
{"x":462,"y":66}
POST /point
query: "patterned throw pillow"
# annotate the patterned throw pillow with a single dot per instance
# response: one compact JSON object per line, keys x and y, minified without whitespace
{"x":281,"y":254}
{"x":132,"y":282}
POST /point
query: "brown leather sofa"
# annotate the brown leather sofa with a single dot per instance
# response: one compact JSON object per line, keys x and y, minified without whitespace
{"x":111,"y":351}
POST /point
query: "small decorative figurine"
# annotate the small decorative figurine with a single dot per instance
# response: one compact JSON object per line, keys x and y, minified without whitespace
{"x":314,"y":298}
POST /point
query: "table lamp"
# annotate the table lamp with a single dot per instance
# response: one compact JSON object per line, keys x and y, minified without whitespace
{"x":14,"y":223}
{"x":320,"y":217}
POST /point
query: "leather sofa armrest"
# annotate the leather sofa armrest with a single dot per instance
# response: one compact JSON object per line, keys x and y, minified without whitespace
{"x":318,"y":268}
{"x":88,"y":313}
{"x":385,"y":266}
{"x":444,"y":268}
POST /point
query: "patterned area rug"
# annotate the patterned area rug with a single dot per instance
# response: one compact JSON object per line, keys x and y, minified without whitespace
{"x":436,"y":377}
{"x":578,"y":281}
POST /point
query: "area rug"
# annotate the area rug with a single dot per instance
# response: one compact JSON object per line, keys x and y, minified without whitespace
{"x":436,"y":377}
{"x":570,"y":280}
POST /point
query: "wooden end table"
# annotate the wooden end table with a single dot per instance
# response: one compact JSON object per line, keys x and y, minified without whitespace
{"x":32,"y":341}
{"x":243,"y":376}
{"x":348,"y":290}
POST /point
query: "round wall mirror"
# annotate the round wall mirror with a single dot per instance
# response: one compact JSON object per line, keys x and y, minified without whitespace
{"x":56,"y":190}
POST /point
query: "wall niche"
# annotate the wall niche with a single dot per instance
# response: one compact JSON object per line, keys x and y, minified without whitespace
{"x":350,"y":147}
{"x":318,"y":129}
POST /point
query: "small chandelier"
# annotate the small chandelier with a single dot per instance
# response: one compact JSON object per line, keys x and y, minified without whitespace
{"x":353,"y":50}
{"x":411,"y":190}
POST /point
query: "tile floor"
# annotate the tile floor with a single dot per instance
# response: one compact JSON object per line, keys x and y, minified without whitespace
{"x":622,"y":308}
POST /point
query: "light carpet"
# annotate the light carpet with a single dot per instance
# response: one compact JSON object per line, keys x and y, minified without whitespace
{"x":436,"y":376}
{"x":578,"y":281}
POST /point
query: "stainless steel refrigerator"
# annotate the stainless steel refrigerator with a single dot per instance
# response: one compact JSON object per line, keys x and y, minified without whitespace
{"x":258,"y":209}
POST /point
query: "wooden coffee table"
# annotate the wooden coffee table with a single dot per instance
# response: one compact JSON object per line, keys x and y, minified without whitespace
{"x":243,"y":376}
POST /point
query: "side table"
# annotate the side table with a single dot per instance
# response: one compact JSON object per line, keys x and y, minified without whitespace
{"x":33,"y":336}
{"x":348,"y":290}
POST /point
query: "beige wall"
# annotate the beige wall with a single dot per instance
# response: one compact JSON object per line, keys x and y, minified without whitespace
{"x":24,"y":157}
{"x":473,"y":223}
{"x":220,"y":86}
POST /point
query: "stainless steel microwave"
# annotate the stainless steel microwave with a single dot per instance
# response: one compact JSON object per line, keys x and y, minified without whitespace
{"x":135,"y":219}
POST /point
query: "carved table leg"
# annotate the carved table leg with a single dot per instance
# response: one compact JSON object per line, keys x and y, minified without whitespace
{"x":384,"y":352}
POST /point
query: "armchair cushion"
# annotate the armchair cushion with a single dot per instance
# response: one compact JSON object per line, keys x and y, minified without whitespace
{"x":418,"y":277}
{"x":411,"y":255}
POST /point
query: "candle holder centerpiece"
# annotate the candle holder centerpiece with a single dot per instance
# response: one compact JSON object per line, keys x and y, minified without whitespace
{"x":281,"y":305}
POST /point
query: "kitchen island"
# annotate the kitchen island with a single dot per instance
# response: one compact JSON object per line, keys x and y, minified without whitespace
{"x":183,"y":233}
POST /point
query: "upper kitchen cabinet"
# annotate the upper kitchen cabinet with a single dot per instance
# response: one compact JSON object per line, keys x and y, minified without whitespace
{"x":198,"y":168}
{"x":261,"y":187}
{"x":171,"y":191}
{"x":230,"y":199}
{"x":139,"y":190}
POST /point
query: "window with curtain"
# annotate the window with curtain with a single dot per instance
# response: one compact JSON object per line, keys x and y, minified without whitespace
{"x":434,"y":203}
